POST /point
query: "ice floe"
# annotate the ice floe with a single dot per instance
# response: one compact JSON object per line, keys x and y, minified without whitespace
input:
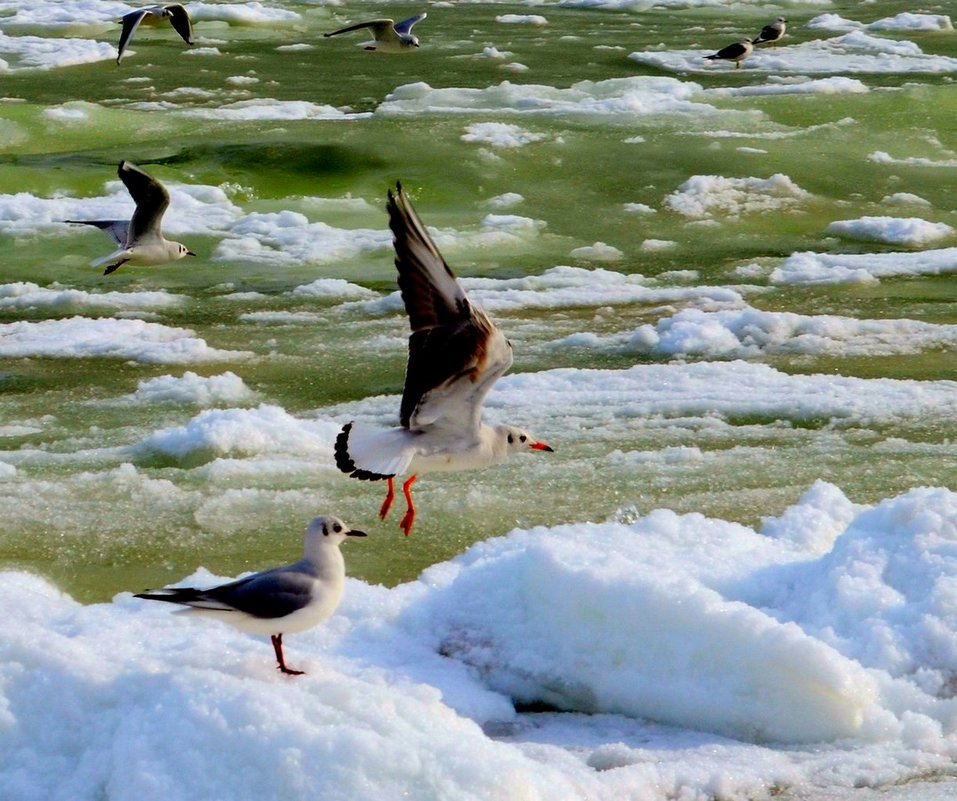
{"x":108,"y":338}
{"x":708,"y":196}
{"x":861,"y":268}
{"x":905,"y":21}
{"x":500,"y":134}
{"x":23,"y":295}
{"x":37,"y":52}
{"x":194,"y":390}
{"x":911,"y":231}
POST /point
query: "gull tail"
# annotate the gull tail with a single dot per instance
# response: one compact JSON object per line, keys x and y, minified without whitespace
{"x":373,"y":455}
{"x":186,"y":596}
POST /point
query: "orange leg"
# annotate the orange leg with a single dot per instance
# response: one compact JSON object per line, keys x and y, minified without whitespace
{"x":387,"y":503}
{"x":277,"y":647}
{"x":409,"y":518}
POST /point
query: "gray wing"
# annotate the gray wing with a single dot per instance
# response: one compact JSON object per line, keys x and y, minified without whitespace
{"x":406,"y":25}
{"x":380,"y":28}
{"x":455,"y":352}
{"x":731,"y":51}
{"x":267,"y":595}
{"x":179,"y":19}
{"x":151,"y":200}
{"x":130,"y":22}
{"x":117,"y":230}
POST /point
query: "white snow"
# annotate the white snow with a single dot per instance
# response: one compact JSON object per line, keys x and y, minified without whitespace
{"x":910,"y":231}
{"x":709,"y":196}
{"x":108,"y":338}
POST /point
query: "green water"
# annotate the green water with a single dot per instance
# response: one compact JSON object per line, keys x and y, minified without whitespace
{"x":73,"y":514}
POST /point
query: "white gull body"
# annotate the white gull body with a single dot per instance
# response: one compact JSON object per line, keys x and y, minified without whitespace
{"x":140,"y":239}
{"x":283,"y":600}
{"x":387,"y":36}
{"x":772,"y":32}
{"x":456,"y":354}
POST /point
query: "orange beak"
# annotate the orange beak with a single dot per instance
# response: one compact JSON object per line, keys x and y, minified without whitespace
{"x":541,"y":446}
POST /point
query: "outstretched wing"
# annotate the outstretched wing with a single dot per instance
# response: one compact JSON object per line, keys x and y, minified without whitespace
{"x":179,"y":19}
{"x":406,"y":25}
{"x":455,"y":351}
{"x":380,"y":28}
{"x":151,"y":200}
{"x":117,"y":230}
{"x":130,"y":23}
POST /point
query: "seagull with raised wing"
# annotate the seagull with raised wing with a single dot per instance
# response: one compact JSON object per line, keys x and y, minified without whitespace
{"x":456,"y":354}
{"x":140,"y":239}
{"x":284,"y":600}
{"x":176,"y":13}
{"x":736,"y":52}
{"x":387,"y":36}
{"x":772,"y":32}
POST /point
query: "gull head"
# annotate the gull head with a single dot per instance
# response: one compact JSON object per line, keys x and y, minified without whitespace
{"x":780,"y":19}
{"x":409,"y":40}
{"x":518,"y":441}
{"x":181,"y":251}
{"x":329,"y":530}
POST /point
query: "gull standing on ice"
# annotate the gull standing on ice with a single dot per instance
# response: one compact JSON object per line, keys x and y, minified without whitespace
{"x":177,"y":15}
{"x":140,"y":239}
{"x":771,"y":32}
{"x":736,"y":52}
{"x":387,"y":36}
{"x":456,"y":354}
{"x":284,"y":600}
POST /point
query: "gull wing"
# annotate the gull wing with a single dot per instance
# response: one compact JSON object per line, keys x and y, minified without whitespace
{"x":130,"y":23}
{"x":179,"y":19}
{"x":267,"y":595}
{"x":455,"y":351}
{"x":381,"y":28}
{"x":731,"y":51}
{"x":117,"y":230}
{"x":406,"y":25}
{"x":151,"y":200}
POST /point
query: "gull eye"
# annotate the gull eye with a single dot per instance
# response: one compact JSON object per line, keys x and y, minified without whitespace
{"x":511,"y":439}
{"x":522,"y":438}
{"x":337,"y":528}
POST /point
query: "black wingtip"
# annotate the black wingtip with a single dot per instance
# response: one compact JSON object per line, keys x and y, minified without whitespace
{"x":345,"y":463}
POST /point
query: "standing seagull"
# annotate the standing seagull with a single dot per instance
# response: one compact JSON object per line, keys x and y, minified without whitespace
{"x":387,"y":36}
{"x":736,"y":52}
{"x":284,"y":600}
{"x":177,"y":15}
{"x":772,"y":32}
{"x":456,"y":354}
{"x":140,"y":239}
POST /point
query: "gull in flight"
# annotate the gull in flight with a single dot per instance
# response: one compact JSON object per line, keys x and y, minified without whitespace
{"x":387,"y":36}
{"x":140,"y":239}
{"x":284,"y":600}
{"x":736,"y":52}
{"x":772,"y":32}
{"x":456,"y":354}
{"x":177,"y":15}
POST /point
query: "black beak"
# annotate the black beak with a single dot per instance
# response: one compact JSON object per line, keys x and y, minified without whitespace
{"x":356,"y":533}
{"x":190,"y":253}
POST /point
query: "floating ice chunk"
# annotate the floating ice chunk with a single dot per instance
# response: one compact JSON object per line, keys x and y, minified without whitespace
{"x":655,"y":245}
{"x":882,"y":157}
{"x":597,"y":252}
{"x":252,"y":12}
{"x":500,"y":134}
{"x":911,"y":231}
{"x":193,"y":389}
{"x":708,"y":196}
{"x":27,"y":295}
{"x":522,"y":19}
{"x":866,"y":268}
{"x":905,"y":199}
{"x":37,"y":52}
{"x":107,"y":338}
{"x":268,"y":109}
{"x":332,"y":288}
{"x":505,"y":200}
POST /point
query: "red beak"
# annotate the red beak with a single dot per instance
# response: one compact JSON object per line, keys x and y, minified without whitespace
{"x":541,"y":446}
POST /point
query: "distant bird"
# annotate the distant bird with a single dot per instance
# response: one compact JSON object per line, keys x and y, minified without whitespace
{"x":771,"y":33}
{"x":177,"y":15}
{"x":284,"y":600}
{"x":736,"y":52}
{"x":456,"y":354}
{"x":387,"y":36}
{"x":140,"y":239}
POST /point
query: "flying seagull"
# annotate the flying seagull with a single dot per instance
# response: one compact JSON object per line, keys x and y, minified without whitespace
{"x":140,"y":239}
{"x":736,"y":52}
{"x":284,"y":600}
{"x":177,"y":15}
{"x":456,"y":354}
{"x":771,"y":33}
{"x":387,"y":36}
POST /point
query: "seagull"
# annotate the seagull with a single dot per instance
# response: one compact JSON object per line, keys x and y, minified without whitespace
{"x":177,"y":15}
{"x":772,"y":32}
{"x":736,"y":52}
{"x":387,"y":36}
{"x":140,"y":239}
{"x":284,"y":600}
{"x":456,"y":354}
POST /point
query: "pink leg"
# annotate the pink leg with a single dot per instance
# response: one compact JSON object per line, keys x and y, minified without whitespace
{"x":387,"y":503}
{"x":409,"y":517}
{"x":277,"y":647}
